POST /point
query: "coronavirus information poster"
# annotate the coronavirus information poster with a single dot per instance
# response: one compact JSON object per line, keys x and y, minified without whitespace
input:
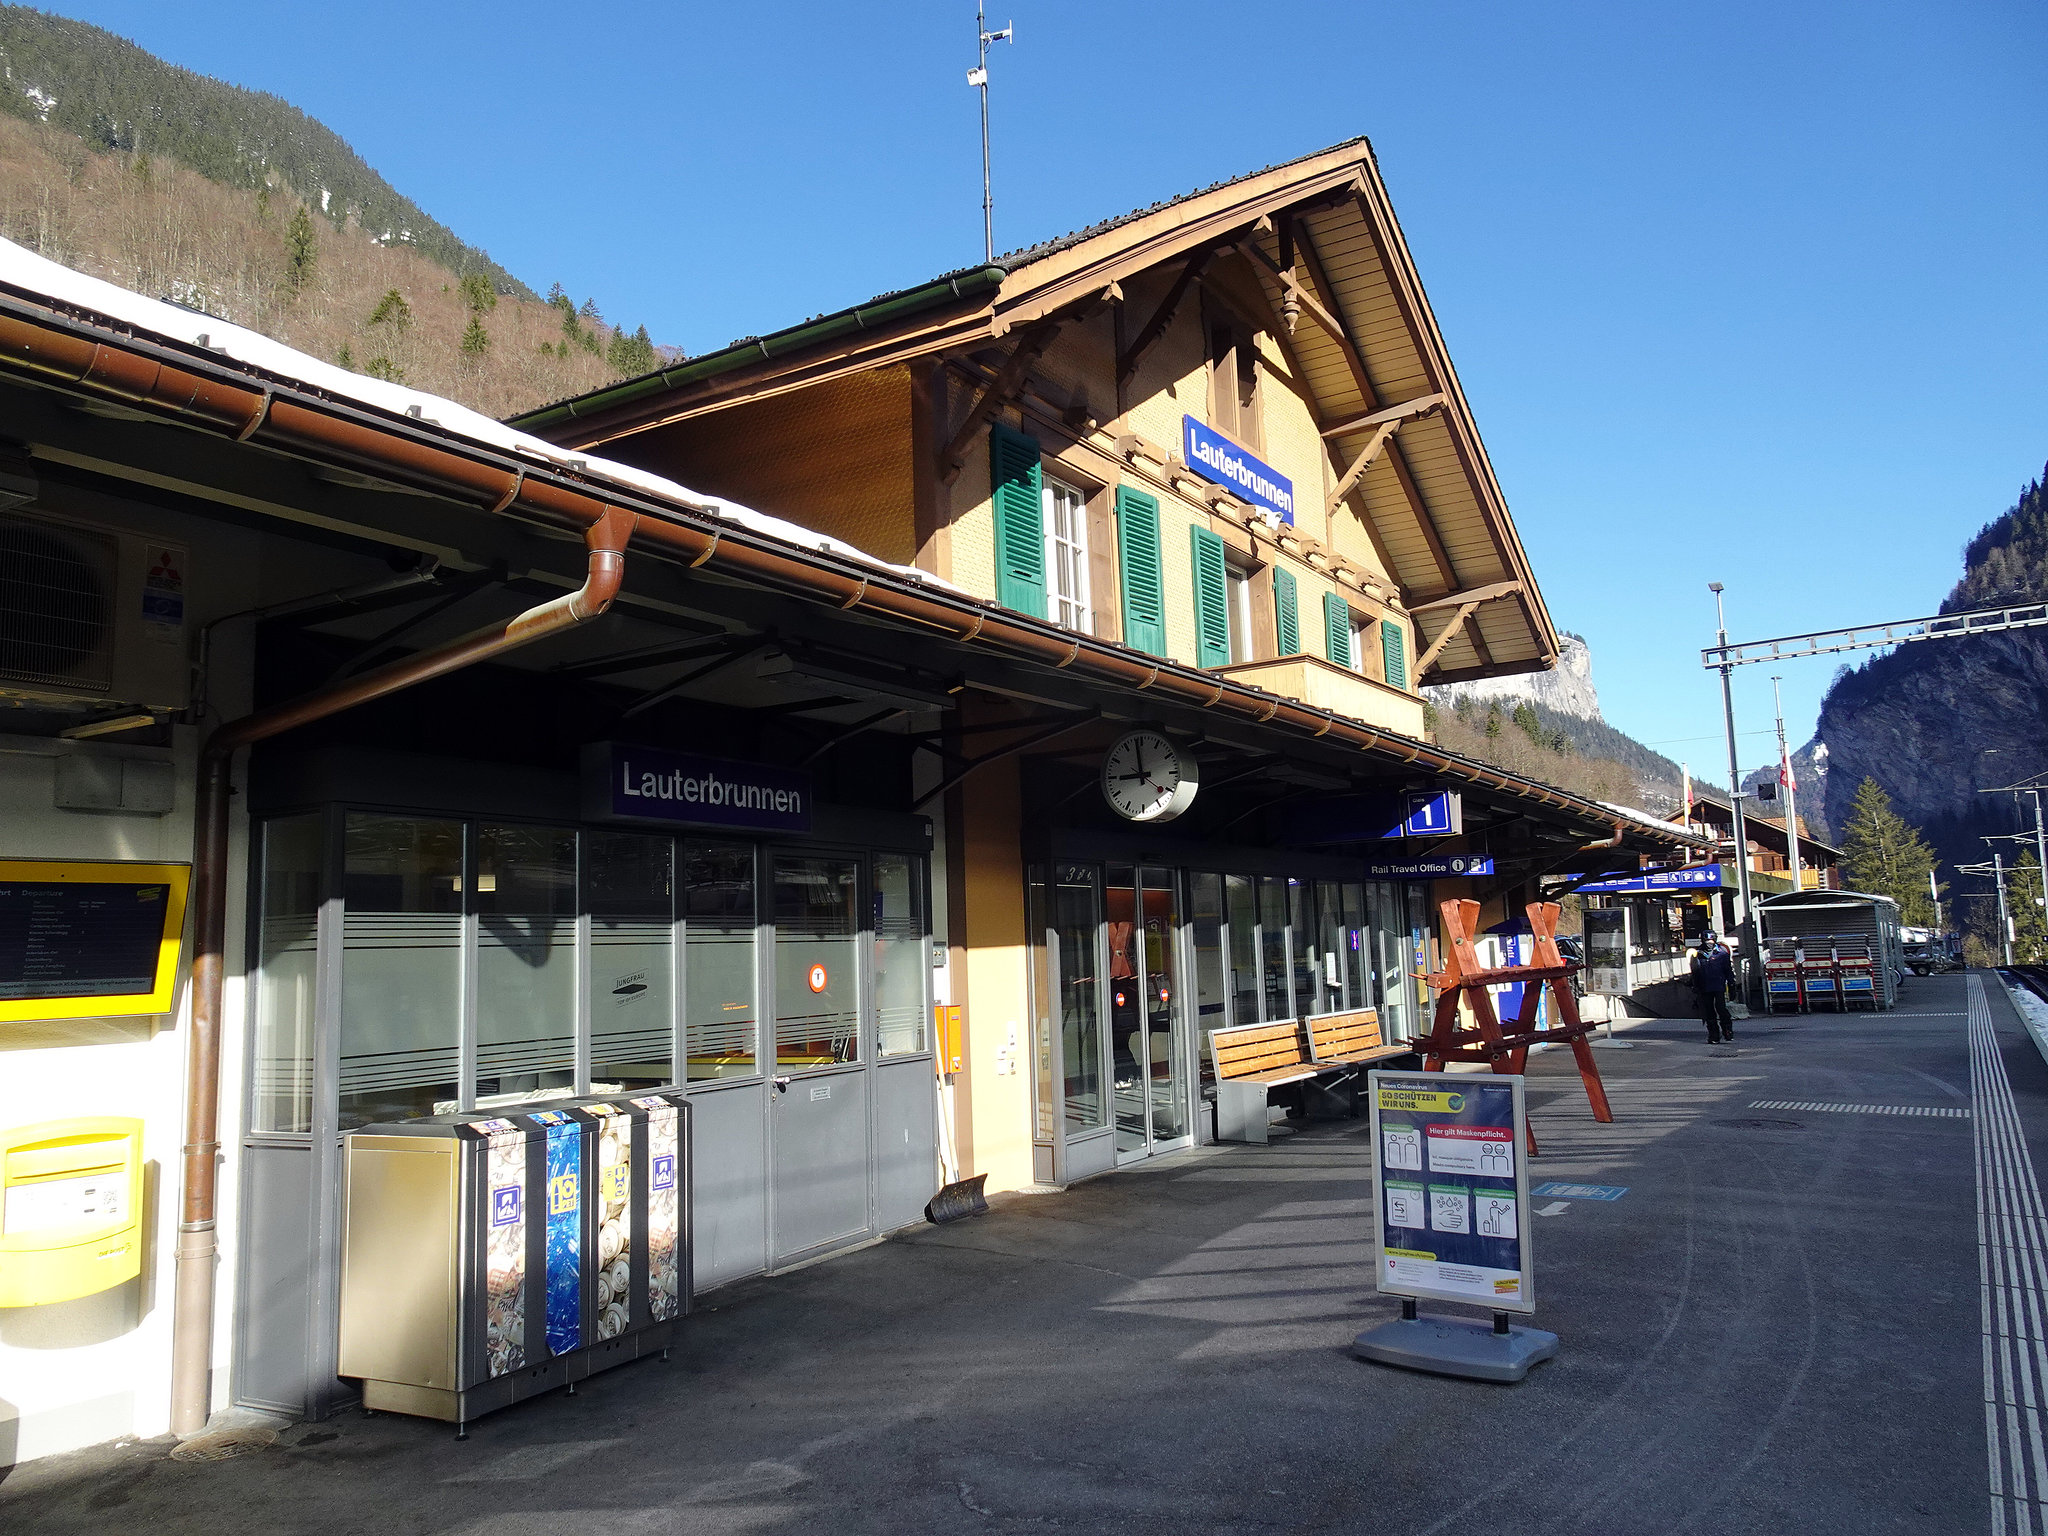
{"x":1453,"y":1187}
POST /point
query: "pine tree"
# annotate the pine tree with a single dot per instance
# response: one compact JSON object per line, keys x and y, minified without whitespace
{"x":1885,"y":856}
{"x":1525,"y":717}
{"x":633,"y":354}
{"x":346,"y":357}
{"x":478,"y":293}
{"x":299,"y":249}
{"x":476,"y":341}
{"x":392,"y":310}
{"x":2029,"y":919}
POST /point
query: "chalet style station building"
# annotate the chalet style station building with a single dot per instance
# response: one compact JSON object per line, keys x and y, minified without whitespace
{"x":907,"y":735}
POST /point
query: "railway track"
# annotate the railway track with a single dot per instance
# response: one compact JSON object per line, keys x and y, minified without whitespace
{"x":2033,"y":977}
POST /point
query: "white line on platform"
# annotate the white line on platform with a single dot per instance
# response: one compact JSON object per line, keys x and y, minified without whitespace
{"x":1555,"y":1208}
{"x":2012,"y":1271}
{"x":1863,"y":1109}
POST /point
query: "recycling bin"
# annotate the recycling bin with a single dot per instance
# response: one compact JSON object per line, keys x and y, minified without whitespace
{"x":487,"y":1258}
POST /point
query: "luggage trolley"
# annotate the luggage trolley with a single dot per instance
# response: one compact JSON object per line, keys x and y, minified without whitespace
{"x":1818,"y":974}
{"x":1856,"y":969}
{"x":1782,"y":990}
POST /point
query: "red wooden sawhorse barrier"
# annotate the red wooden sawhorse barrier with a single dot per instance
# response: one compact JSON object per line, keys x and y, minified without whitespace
{"x":1506,"y":1050}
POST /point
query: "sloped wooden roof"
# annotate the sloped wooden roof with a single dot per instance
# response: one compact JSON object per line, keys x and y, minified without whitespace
{"x":1429,"y":498}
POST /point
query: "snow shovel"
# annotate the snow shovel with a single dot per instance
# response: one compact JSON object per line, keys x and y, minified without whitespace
{"x":961,"y":1197}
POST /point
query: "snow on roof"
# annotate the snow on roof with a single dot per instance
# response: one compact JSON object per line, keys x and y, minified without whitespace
{"x":46,"y":280}
{"x":1646,"y":819}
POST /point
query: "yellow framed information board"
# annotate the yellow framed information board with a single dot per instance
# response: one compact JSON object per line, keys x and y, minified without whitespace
{"x":89,"y":940}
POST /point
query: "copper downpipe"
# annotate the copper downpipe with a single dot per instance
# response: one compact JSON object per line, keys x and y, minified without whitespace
{"x":192,"y":1308}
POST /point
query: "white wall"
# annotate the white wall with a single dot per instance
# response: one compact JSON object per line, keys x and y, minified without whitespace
{"x":80,"y":1372}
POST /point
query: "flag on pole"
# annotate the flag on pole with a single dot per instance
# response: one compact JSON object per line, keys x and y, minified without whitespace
{"x":1785,"y":770}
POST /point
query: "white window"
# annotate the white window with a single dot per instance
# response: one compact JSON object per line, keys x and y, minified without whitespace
{"x":1066,"y":556}
{"x":1361,"y":635}
{"x":1238,"y":585}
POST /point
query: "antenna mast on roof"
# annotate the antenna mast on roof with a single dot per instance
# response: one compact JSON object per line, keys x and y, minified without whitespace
{"x":978,"y":78}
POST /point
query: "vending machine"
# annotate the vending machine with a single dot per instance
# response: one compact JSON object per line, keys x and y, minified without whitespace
{"x":488,"y":1258}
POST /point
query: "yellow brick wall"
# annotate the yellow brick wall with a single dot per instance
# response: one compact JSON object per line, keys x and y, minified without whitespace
{"x":835,"y":457}
{"x":973,"y":540}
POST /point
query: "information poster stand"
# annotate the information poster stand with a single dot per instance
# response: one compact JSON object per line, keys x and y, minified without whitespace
{"x":1451,"y":1181}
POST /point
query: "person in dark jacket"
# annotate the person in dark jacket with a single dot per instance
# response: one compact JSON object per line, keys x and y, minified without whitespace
{"x":1713,"y":972}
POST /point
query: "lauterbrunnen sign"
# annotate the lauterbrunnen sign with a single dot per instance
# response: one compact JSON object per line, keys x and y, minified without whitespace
{"x":1215,"y":457}
{"x":649,"y":784}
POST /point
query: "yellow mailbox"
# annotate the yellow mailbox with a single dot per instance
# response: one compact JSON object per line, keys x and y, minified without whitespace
{"x":70,"y":1208}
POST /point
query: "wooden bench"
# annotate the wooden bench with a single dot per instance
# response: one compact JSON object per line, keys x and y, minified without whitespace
{"x":1349,"y":1039}
{"x":1253,"y":1059}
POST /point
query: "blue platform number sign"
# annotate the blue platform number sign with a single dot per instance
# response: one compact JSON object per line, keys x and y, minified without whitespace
{"x":564,"y":1232}
{"x":1429,"y":813}
{"x":1453,"y":1188}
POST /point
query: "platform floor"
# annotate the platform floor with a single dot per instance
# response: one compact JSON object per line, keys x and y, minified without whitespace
{"x":1777,"y":1328}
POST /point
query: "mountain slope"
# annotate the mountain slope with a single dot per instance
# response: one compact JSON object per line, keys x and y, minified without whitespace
{"x":237,"y":204}
{"x":114,"y":96}
{"x":1936,"y":722}
{"x":1566,"y":710}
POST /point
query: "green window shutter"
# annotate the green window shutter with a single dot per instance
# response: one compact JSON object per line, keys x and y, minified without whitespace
{"x":1144,"y":576}
{"x":1212,"y":600}
{"x":1020,"y":520}
{"x":1337,"y":628}
{"x":1394,"y":647}
{"x":1286,"y":614}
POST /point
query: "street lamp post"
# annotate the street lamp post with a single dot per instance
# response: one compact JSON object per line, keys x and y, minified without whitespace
{"x":2004,"y":916}
{"x":1734,"y":785}
{"x":1786,"y":784}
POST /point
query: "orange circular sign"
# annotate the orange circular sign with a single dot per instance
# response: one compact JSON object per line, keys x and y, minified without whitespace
{"x":818,"y":978}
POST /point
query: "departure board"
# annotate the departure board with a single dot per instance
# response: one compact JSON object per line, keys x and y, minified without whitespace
{"x":78,"y":939}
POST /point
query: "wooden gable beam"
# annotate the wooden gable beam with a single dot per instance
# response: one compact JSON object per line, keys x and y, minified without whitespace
{"x":1471,"y":595}
{"x":1382,"y":435}
{"x":1162,"y":317}
{"x":1000,"y":391}
{"x":1428,"y":658}
{"x":1407,"y":410}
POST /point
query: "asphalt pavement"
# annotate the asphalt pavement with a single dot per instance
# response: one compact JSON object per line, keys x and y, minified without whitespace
{"x":1779,"y":1327}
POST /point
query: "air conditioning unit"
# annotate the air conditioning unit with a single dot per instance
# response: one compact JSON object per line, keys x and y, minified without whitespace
{"x":91,"y":615}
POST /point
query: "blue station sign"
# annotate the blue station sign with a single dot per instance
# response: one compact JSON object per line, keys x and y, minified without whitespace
{"x":1216,"y":458}
{"x":630,"y":783}
{"x":1697,"y":877}
{"x":1455,"y":867}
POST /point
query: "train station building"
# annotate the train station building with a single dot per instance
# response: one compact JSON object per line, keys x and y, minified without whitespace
{"x":909,"y":733}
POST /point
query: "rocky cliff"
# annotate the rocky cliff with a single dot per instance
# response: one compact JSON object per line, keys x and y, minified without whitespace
{"x":1565,"y":690}
{"x":1936,"y":721}
{"x":1566,"y":708}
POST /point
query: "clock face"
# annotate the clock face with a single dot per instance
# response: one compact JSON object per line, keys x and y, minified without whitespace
{"x":1145,"y":777}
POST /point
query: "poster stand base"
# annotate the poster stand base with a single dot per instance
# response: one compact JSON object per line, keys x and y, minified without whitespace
{"x":1453,"y":1346}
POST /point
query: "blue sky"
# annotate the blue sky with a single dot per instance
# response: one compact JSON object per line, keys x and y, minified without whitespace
{"x":1750,"y":292}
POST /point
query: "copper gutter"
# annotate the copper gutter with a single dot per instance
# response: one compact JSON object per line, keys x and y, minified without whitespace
{"x":282,"y":413}
{"x":192,"y":1307}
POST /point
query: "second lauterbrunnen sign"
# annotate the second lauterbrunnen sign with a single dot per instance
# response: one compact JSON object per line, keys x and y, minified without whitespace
{"x":622,"y":782}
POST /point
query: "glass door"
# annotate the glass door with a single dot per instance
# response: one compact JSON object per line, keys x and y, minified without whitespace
{"x":819,"y":1106}
{"x":1149,"y":1056}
